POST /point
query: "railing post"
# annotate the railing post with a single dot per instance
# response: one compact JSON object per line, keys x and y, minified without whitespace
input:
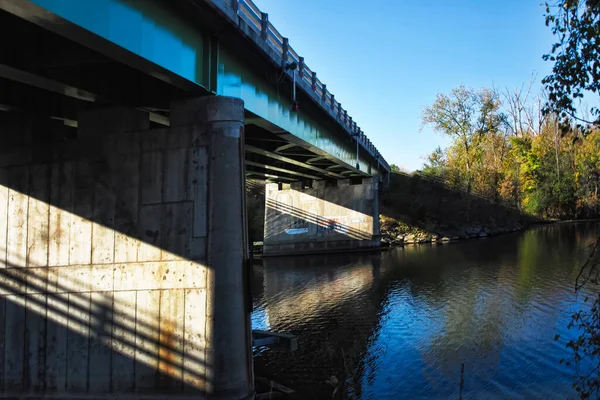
{"x":301,"y":68}
{"x":324,"y":94}
{"x":345,"y":116}
{"x":332,"y":101}
{"x":350,"y":124}
{"x":339,"y":110}
{"x":313,"y":84}
{"x":286,"y":50}
{"x":235,"y":5}
{"x":264,"y":28}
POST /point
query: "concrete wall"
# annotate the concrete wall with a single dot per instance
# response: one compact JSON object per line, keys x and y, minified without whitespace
{"x":107,"y":263}
{"x":329,"y":216}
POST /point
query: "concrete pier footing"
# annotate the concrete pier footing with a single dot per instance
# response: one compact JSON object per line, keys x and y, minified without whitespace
{"x":122,"y":256}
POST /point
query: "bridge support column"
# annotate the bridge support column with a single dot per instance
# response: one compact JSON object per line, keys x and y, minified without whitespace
{"x":122,"y":257}
{"x":229,"y":349}
{"x":329,"y":216}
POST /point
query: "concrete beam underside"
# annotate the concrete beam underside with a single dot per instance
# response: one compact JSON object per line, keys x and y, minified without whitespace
{"x":330,"y":216}
{"x":122,"y":258}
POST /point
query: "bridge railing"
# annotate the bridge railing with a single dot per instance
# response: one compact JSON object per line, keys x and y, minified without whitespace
{"x":307,"y":79}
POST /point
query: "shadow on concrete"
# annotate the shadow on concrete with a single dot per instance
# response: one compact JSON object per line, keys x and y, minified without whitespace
{"x":64,"y":328}
{"x":306,"y":223}
{"x":59,"y":340}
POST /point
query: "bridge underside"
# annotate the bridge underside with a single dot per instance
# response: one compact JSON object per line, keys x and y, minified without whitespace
{"x":50,"y":77}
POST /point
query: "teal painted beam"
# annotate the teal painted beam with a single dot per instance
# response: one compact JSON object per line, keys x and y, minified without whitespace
{"x":261,"y":98}
{"x":154,"y":31}
{"x":146,"y":28}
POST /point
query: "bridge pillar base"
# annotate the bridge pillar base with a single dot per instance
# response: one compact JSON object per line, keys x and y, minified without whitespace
{"x":122,"y":256}
{"x":330,"y":216}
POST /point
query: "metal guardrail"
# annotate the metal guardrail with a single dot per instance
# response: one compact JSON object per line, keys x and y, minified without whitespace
{"x":259,"y":22}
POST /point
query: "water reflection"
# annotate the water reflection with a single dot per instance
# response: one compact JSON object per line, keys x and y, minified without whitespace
{"x":399,"y":324}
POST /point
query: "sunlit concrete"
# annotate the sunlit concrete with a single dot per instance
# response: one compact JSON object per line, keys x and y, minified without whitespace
{"x":330,"y":215}
{"x":122,"y":264}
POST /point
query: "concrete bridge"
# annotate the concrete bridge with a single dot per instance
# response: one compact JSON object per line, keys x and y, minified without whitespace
{"x":127,"y":129}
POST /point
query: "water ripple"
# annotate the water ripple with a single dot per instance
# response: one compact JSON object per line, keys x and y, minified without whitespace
{"x":402,"y":323}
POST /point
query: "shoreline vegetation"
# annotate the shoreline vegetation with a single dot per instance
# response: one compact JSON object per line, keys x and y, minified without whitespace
{"x":416,"y":209}
{"x":510,"y":164}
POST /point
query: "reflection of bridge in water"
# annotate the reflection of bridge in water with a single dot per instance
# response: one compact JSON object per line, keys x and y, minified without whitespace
{"x":332,"y":309}
{"x":412,"y":316}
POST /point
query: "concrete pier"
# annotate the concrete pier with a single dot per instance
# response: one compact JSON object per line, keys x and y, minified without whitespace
{"x":336,"y":215}
{"x":122,"y":256}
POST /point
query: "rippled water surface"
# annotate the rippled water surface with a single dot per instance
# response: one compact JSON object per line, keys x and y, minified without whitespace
{"x":399,"y":324}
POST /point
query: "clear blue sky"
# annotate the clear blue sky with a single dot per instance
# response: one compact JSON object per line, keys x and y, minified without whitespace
{"x":386,"y":59}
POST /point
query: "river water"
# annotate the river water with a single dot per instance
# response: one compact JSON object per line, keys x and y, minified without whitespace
{"x":400,"y":323}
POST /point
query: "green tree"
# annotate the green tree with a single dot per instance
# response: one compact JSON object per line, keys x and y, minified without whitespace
{"x":576,"y":73}
{"x":465,"y":115}
{"x":523,"y":159}
{"x":576,"y":58}
{"x":436,"y":163}
{"x":588,"y":174}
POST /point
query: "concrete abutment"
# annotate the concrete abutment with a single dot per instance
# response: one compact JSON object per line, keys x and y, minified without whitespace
{"x":122,"y":256}
{"x":329,"y":216}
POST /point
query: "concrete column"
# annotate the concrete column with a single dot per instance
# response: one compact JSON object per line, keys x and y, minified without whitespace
{"x":122,"y":257}
{"x":229,"y":352}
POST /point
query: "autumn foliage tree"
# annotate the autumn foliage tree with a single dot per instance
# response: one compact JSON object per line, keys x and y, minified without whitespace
{"x":575,"y":75}
{"x":467,"y":116}
{"x":505,"y":149}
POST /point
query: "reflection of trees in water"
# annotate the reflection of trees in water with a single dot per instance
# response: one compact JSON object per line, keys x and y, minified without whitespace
{"x":451,"y":284}
{"x":476,"y":296}
{"x":482,"y":313}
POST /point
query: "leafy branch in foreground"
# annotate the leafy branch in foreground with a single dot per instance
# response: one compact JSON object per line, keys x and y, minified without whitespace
{"x":576,"y":58}
{"x":586,"y":347}
{"x":575,"y":75}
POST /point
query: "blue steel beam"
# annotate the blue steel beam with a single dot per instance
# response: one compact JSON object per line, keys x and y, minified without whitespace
{"x":189,"y":57}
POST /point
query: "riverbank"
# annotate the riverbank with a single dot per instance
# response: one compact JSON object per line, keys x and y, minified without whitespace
{"x":418,"y":210}
{"x":394,"y":233}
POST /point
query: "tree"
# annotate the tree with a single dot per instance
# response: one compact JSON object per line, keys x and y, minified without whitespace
{"x":576,"y":73}
{"x":466,"y":115}
{"x":436,"y":163}
{"x":523,"y":110}
{"x":588,"y":174}
{"x":576,"y":57}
